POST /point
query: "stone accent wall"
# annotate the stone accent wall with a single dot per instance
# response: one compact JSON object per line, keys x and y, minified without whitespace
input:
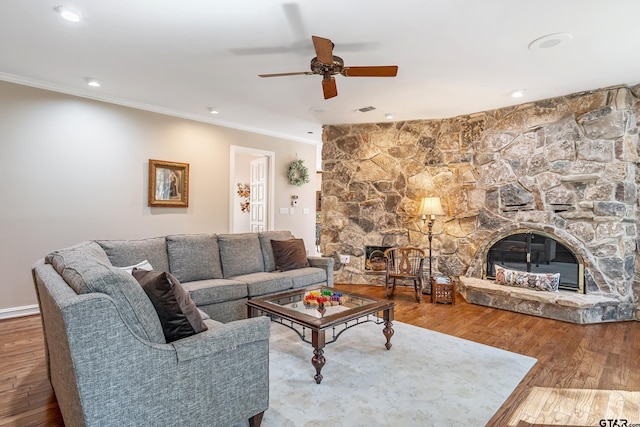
{"x":566,"y":166}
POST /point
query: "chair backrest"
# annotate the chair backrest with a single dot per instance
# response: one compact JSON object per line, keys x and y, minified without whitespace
{"x":404,"y":261}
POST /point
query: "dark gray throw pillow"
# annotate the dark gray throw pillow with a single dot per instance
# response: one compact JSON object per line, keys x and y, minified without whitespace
{"x":289,"y":254}
{"x":178,"y":314}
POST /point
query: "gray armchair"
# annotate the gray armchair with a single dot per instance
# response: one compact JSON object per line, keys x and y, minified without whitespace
{"x":107,"y":371}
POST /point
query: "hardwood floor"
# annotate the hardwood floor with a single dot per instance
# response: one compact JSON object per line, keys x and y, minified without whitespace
{"x":26,"y":397}
{"x":584,"y":373}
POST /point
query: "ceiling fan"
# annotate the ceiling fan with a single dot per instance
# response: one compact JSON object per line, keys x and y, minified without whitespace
{"x":327,"y":65}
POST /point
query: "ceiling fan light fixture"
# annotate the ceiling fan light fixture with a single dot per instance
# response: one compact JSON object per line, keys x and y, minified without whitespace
{"x":518,"y":93}
{"x":388,"y":116}
{"x":213,"y":110}
{"x":68,"y":13}
{"x":326,"y":64}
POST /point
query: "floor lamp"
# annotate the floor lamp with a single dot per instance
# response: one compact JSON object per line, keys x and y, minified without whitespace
{"x":429,"y":208}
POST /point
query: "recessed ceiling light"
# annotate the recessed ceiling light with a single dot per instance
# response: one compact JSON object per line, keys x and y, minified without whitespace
{"x":213,"y":110}
{"x":517,"y":93}
{"x":550,"y":40}
{"x":388,"y":116}
{"x":68,"y":13}
{"x":93,"y":82}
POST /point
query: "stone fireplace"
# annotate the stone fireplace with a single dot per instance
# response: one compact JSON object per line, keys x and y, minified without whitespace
{"x":564,"y":167}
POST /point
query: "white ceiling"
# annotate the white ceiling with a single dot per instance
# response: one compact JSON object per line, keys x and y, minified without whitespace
{"x":183,"y":56}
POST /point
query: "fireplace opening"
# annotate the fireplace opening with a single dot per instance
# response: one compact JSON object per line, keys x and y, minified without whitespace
{"x":375,"y":258}
{"x":536,"y":253}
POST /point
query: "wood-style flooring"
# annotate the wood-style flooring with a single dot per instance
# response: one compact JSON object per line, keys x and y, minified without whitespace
{"x":584,"y":373}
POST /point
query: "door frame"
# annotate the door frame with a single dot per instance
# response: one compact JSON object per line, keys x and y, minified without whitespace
{"x":271,"y":161}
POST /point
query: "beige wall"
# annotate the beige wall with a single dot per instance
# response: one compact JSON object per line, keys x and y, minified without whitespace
{"x":75,"y":169}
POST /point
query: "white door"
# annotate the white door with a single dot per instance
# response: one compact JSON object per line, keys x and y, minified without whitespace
{"x":259,"y":197}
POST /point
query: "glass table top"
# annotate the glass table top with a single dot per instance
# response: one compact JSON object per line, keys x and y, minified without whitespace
{"x":318,"y":304}
{"x":311,"y":302}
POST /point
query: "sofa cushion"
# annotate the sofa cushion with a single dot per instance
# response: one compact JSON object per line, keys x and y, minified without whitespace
{"x":194,"y":257}
{"x":307,"y":276}
{"x":289,"y":254}
{"x":522,"y":279}
{"x":211,"y":291}
{"x":265,"y":244}
{"x":265,"y":283}
{"x":178,"y":314}
{"x":89,"y":248}
{"x":84,"y":274}
{"x":122,"y":253}
{"x":77,"y":268}
{"x":240,"y":254}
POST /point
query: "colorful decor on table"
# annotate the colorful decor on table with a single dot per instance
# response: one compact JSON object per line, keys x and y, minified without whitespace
{"x":321,"y":298}
{"x":298,"y":173}
{"x":244,"y":191}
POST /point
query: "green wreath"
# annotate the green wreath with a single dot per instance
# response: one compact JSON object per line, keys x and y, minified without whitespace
{"x":298,"y":173}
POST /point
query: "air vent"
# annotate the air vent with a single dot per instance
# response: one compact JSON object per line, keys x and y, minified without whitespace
{"x":366,"y":109}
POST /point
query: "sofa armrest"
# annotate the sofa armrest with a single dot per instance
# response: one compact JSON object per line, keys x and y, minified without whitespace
{"x":325,"y":263}
{"x":320,"y":261}
{"x":225,"y":337}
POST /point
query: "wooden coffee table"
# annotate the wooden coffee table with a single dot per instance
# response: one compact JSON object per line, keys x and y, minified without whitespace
{"x":289,"y":309}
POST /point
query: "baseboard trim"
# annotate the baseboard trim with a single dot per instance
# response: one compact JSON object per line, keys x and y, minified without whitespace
{"x":26,"y":310}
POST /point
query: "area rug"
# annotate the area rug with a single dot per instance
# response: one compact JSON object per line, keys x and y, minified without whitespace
{"x":426,"y":379}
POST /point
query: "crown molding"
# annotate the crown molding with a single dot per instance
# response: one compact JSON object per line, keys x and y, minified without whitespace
{"x":12,"y":78}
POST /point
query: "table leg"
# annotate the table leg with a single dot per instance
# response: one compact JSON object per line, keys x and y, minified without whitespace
{"x":388,"y":323}
{"x":318,"y":360}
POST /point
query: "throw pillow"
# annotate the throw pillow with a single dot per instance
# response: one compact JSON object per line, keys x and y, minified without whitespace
{"x":289,"y":254}
{"x":144,"y":265}
{"x":178,"y":314}
{"x":522,"y":279}
{"x":265,"y":238}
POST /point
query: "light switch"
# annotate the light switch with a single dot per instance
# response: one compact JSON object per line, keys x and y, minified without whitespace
{"x":305,"y":211}
{"x":284,"y":211}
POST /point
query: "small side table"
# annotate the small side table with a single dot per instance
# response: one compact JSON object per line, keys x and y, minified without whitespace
{"x":443,"y":292}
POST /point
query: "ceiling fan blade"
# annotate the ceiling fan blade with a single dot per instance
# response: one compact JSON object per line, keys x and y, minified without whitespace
{"x":383,"y":71}
{"x":324,"y":49}
{"x":329,"y":88}
{"x":308,"y":73}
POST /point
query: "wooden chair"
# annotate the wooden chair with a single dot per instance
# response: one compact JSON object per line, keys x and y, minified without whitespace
{"x":404,"y":263}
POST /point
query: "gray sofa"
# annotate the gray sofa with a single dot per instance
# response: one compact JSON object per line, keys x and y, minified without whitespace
{"x":221,"y":271}
{"x":108,"y":360}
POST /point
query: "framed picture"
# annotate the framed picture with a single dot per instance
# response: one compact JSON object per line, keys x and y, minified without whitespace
{"x":168,"y":184}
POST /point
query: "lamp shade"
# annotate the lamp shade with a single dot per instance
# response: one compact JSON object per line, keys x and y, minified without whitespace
{"x":430,"y":206}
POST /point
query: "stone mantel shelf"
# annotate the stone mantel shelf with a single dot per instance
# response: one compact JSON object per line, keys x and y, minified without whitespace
{"x":563,"y":305}
{"x":394,"y":231}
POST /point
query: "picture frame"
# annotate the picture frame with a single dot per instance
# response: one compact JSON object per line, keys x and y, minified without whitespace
{"x":168,"y":184}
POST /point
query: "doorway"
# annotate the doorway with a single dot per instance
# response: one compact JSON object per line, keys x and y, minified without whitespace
{"x":251,"y":169}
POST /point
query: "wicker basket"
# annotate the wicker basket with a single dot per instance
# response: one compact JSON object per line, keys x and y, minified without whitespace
{"x":376,"y":261}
